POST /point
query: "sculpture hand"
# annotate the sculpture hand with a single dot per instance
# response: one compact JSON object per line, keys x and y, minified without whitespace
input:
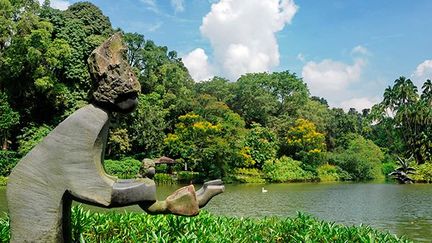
{"x":209,"y":190}
{"x":181,"y":202}
{"x":185,"y":201}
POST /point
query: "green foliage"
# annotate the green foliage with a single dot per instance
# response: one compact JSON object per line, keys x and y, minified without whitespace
{"x":260,"y":145}
{"x":341,"y":124}
{"x":388,"y":167}
{"x":187,"y":176}
{"x":163,"y":178}
{"x":412,"y":116}
{"x":361,"y":158}
{"x":286,"y":169}
{"x":248,"y":175}
{"x":137,"y":227}
{"x":329,"y":172}
{"x":125,"y":168}
{"x":146,"y":125}
{"x":258,"y":97}
{"x":5,"y":228}
{"x":31,"y":137}
{"x":3,"y":181}
{"x":208,"y":140}
{"x":423,"y":173}
{"x":8,"y":119}
{"x":94,"y":22}
{"x":118,"y":142}
{"x":304,"y":143}
{"x":8,"y":160}
{"x":317,"y":113}
{"x":217,"y":87}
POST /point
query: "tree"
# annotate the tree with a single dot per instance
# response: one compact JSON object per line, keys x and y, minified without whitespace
{"x":412,"y":116}
{"x":208,"y":139}
{"x":8,"y":119}
{"x":260,"y":145}
{"x":303,"y":142}
{"x":316,"y":112}
{"x":218,"y":87}
{"x":360,"y":157}
{"x":260,"y":96}
{"x":145,"y":126}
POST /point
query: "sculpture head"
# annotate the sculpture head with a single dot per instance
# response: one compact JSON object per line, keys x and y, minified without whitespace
{"x":115,"y":86}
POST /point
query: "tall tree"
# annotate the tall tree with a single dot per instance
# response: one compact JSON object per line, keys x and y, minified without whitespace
{"x":412,"y":116}
{"x":260,"y":96}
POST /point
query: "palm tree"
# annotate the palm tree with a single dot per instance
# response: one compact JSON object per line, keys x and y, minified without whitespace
{"x":403,"y":171}
{"x":406,"y":91}
{"x":427,"y":91}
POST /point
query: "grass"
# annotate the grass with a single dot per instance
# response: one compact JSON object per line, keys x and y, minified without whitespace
{"x":135,"y":227}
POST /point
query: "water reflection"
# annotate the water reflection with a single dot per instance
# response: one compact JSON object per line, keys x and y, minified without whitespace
{"x":400,"y":209}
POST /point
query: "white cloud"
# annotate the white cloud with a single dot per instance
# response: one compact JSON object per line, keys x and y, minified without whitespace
{"x":151,"y":5}
{"x":422,"y":73}
{"x":242,"y":33}
{"x":197,"y":64}
{"x":58,"y":4}
{"x":178,"y":5}
{"x":339,"y":82}
{"x":301,"y":57}
{"x":154,"y":27}
{"x":359,"y":103}
{"x":360,"y":50}
{"x":327,"y":77}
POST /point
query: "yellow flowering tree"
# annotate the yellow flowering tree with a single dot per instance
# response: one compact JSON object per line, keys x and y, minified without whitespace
{"x":205,"y":146}
{"x":305,"y":143}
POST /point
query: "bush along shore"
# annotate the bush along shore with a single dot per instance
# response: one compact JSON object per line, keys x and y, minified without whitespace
{"x":89,"y":226}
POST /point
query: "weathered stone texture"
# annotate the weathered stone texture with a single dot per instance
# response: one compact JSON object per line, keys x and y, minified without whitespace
{"x":111,"y":72}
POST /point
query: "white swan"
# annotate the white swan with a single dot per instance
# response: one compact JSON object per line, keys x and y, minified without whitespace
{"x":263,"y":190}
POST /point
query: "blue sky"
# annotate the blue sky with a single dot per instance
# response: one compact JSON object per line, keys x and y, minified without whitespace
{"x":347,"y":51}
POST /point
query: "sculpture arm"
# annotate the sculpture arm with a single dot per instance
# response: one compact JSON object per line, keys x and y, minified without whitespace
{"x":128,"y":192}
{"x":185,"y":201}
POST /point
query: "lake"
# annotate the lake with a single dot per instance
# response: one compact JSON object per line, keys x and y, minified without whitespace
{"x":400,"y":209}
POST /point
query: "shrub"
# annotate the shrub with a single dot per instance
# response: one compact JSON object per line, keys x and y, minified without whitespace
{"x":188,"y":176}
{"x":125,"y":168}
{"x":329,"y":172}
{"x":286,"y":169}
{"x":3,"y":181}
{"x":361,"y":158}
{"x":423,"y":173}
{"x":31,"y":136}
{"x":163,"y":178}
{"x":8,"y":160}
{"x":248,"y":175}
{"x":161,"y":168}
{"x":388,"y":167}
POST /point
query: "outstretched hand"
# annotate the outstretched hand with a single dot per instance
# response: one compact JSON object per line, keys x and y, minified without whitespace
{"x":209,"y":190}
{"x":185,"y":201}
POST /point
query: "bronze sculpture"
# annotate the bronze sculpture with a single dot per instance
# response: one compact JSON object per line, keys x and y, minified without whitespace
{"x":68,"y":164}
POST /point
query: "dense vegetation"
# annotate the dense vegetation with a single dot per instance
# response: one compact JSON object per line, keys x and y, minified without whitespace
{"x":264,"y":126}
{"x":134,"y":227}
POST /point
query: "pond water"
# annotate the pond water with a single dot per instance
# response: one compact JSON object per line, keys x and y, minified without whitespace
{"x":400,"y":209}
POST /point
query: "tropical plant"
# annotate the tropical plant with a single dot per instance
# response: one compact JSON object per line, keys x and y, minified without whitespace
{"x":403,"y":171}
{"x":411,"y":115}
